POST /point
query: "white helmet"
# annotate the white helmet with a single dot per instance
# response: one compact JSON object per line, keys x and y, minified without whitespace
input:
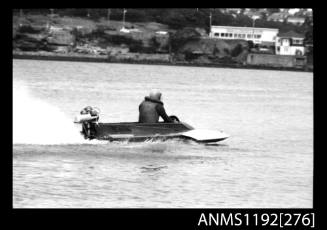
{"x":155,"y":94}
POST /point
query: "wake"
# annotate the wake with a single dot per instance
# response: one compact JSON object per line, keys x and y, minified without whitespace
{"x":35,"y":121}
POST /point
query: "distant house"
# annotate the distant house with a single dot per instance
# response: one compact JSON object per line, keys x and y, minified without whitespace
{"x":293,"y":11}
{"x":296,"y":20}
{"x":283,"y":10}
{"x":303,"y":13}
{"x":278,"y":17}
{"x":54,"y":28}
{"x":60,"y":37}
{"x":263,"y":10}
{"x":162,"y":32}
{"x":246,"y":11}
{"x":290,"y":43}
{"x":124,"y":30}
{"x":255,"y":15}
{"x":308,"y":12}
{"x":233,"y":10}
{"x":134,"y":30}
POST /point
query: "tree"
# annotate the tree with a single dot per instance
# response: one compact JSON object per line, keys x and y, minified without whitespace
{"x":250,"y":44}
{"x":138,"y":15}
{"x":273,"y":10}
{"x":215,"y":51}
{"x":309,"y":36}
{"x":237,"y":50}
{"x":154,"y":43}
{"x":181,"y":37}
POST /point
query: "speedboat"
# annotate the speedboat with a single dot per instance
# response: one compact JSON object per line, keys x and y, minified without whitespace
{"x":136,"y":131}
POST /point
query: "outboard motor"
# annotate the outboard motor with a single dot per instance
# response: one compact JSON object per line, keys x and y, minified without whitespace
{"x":88,"y":117}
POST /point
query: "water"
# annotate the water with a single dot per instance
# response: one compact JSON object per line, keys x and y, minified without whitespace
{"x":266,"y":163}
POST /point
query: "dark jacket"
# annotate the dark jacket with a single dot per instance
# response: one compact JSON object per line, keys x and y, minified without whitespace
{"x":150,"y":110}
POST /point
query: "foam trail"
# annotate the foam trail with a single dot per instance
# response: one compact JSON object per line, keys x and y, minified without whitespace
{"x":37,"y":122}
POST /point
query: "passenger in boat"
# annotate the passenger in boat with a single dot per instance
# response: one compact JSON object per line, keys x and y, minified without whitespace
{"x":151,"y":108}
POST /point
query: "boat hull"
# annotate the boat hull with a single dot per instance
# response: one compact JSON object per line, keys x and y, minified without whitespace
{"x":135,"y":130}
{"x":138,"y":132}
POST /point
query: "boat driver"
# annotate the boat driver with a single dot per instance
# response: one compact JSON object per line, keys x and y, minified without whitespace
{"x":151,"y":108}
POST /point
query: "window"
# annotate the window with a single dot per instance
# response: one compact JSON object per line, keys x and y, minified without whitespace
{"x":235,"y":35}
{"x":222,"y":35}
{"x":278,"y":48}
{"x":285,"y":41}
{"x":243,"y":35}
{"x":297,"y":41}
{"x":216,"y":34}
{"x":249,"y":36}
{"x":231,"y":35}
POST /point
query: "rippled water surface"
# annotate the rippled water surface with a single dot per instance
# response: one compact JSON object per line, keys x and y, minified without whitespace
{"x":267,"y":162}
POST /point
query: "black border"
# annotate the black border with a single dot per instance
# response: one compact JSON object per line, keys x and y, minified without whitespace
{"x":151,"y":218}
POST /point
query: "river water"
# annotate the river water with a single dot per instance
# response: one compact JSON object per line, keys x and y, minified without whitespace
{"x":266,"y":163}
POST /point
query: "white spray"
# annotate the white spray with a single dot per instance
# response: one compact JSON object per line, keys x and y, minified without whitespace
{"x":37,"y":122}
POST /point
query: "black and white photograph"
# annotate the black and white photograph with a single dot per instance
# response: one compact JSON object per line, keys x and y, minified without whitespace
{"x":162,"y":108}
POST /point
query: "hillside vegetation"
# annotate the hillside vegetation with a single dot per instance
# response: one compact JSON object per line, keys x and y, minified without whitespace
{"x":88,"y":31}
{"x":175,"y":18}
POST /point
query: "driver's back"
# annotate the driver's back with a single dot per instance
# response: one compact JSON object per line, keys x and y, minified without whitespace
{"x":148,"y":112}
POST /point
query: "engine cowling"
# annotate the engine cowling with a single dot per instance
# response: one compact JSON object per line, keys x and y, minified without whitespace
{"x":88,"y":114}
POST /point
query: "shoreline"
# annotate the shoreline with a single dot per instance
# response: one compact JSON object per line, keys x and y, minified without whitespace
{"x":105,"y":59}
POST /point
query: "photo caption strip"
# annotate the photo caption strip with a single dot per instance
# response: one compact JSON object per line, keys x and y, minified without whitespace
{"x":262,"y":219}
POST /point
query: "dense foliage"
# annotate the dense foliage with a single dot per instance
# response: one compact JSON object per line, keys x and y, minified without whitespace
{"x":176,"y":18}
{"x":183,"y":36}
{"x":237,"y":50}
{"x":180,"y":19}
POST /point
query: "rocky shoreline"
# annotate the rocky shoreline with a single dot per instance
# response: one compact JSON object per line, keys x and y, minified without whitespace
{"x":50,"y":56}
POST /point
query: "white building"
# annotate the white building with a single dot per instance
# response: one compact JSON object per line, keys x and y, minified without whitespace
{"x":233,"y":10}
{"x":162,"y":32}
{"x":293,"y":11}
{"x":257,"y":35}
{"x":296,"y":20}
{"x":124,"y":30}
{"x":290,"y":43}
{"x":278,"y":17}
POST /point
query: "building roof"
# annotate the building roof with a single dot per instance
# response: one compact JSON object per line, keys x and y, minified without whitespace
{"x":290,"y":34}
{"x":253,"y":14}
{"x":244,"y":28}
